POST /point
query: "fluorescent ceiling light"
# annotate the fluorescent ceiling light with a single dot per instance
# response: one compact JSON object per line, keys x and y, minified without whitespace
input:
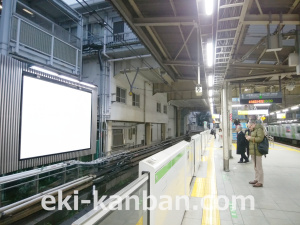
{"x":285,"y":110}
{"x":210,"y":100}
{"x":266,"y":104}
{"x":295,"y":107}
{"x":209,"y":54}
{"x":43,"y":70}
{"x":210,"y":92}
{"x":209,"y":7}
{"x":0,"y":6}
{"x":278,"y":111}
{"x":210,"y":80}
{"x":29,"y":12}
{"x":236,"y":106}
{"x":272,"y":113}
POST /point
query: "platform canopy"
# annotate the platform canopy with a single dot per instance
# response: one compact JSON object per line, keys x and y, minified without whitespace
{"x":244,"y":35}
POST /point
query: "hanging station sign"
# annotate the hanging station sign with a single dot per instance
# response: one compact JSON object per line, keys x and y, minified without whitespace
{"x":253,"y":112}
{"x":261,"y":98}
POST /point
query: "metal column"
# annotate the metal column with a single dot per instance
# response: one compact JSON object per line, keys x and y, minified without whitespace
{"x":5,"y":25}
{"x":225,"y":119}
{"x":229,"y":104}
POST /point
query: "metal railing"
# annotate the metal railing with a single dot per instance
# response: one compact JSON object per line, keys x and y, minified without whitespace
{"x":16,"y":187}
{"x":129,"y":210}
{"x":113,"y":40}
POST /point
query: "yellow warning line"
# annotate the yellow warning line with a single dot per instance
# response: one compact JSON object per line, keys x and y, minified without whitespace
{"x":208,"y":187}
{"x":140,"y":221}
{"x":211,"y":215}
{"x":286,"y":148}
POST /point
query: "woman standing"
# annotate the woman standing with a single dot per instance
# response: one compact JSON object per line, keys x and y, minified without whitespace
{"x":257,"y":136}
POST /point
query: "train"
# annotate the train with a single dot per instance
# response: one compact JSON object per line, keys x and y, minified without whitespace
{"x":289,"y":133}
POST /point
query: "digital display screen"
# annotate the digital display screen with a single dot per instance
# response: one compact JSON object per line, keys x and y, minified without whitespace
{"x":260,"y":101}
{"x":54,"y":118}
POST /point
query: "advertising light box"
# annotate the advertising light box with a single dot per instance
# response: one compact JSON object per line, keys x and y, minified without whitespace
{"x":55,"y":118}
{"x":281,"y":115}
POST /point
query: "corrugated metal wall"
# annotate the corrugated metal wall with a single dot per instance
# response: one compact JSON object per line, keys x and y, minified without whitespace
{"x":10,"y":100}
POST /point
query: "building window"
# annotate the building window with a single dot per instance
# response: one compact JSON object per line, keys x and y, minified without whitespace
{"x":165,"y":109}
{"x":118,"y":30}
{"x":136,"y":100}
{"x":121,"y":95}
{"x":158,"y":107}
{"x":117,"y":137}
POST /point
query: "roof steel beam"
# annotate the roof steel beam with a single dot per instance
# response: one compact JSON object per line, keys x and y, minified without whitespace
{"x":181,"y":63}
{"x":165,"y":21}
{"x":231,"y":5}
{"x":287,"y":19}
{"x":259,"y":76}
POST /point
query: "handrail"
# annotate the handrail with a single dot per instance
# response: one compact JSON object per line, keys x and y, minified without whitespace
{"x":96,"y":216}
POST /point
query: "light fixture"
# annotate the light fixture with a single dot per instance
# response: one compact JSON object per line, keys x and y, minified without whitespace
{"x":210,"y":100}
{"x":209,"y":7}
{"x":210,"y":80}
{"x":209,"y":54}
{"x":0,"y":6}
{"x":272,"y":113}
{"x":236,"y":105}
{"x":69,"y":78}
{"x":87,"y":84}
{"x":278,"y":112}
{"x":61,"y":76}
{"x":285,"y":110}
{"x":266,"y":104}
{"x":27,"y":11}
{"x":295,"y":107}
{"x":43,"y":70}
{"x":210,"y":93}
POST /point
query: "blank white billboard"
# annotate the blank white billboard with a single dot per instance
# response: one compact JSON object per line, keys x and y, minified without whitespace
{"x":54,"y":118}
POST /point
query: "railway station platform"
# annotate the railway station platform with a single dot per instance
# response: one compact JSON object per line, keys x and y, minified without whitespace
{"x":276,"y":203}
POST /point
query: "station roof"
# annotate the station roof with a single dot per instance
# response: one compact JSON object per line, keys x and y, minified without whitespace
{"x":172,"y":29}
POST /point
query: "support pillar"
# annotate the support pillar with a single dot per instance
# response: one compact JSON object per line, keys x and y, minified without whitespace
{"x":109,"y":136}
{"x":5,"y":25}
{"x":178,"y":122}
{"x":163,"y":131}
{"x":225,"y":127}
{"x":148,"y":133}
{"x":229,"y":104}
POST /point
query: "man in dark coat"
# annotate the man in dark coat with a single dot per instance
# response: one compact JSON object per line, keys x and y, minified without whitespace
{"x":241,"y":145}
{"x":247,"y":133}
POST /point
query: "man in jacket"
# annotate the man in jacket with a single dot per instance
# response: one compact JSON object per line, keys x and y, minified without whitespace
{"x":257,"y":136}
{"x":241,"y":145}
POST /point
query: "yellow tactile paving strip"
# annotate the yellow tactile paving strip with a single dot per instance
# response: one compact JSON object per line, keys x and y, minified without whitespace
{"x":208,"y":187}
{"x":282,"y":147}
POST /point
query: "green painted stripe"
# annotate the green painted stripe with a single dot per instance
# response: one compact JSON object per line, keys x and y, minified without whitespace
{"x":159,"y":174}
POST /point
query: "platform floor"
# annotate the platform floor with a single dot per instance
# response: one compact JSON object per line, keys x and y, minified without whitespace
{"x":277,"y":203}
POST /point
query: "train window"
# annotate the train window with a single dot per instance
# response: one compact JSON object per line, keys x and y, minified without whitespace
{"x":298,"y":128}
{"x":288,"y":129}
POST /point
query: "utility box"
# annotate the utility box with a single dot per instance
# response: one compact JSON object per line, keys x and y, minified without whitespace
{"x":293,"y":59}
{"x":274,"y":43}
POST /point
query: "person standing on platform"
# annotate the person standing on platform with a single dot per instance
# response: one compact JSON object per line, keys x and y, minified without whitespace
{"x":241,"y":145}
{"x":257,"y":136}
{"x":247,"y":133}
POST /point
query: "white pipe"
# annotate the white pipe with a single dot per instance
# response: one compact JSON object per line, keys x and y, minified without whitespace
{"x":128,"y":58}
